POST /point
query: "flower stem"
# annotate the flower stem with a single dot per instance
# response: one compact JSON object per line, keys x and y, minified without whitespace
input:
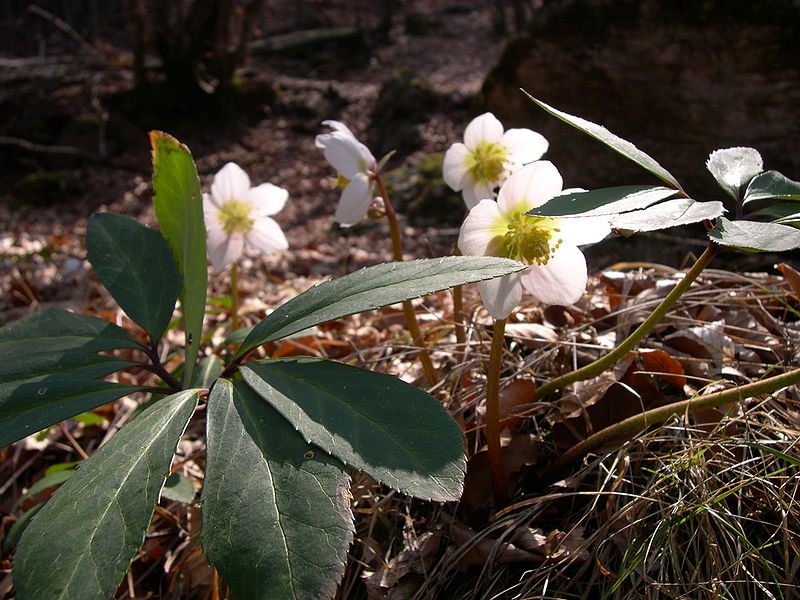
{"x":492,"y":431}
{"x":234,"y":296}
{"x":408,"y":309}
{"x":628,"y":427}
{"x":602,"y":363}
{"x":458,"y":314}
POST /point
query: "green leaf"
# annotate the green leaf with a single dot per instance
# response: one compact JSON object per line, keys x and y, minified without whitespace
{"x":179,"y":208}
{"x":19,"y":526}
{"x":136,"y":266}
{"x":178,"y":488}
{"x":45,"y":482}
{"x":771,"y":184}
{"x":207,"y":371}
{"x":785,"y":212}
{"x":755,"y":236}
{"x":619,"y":145}
{"x":373,"y":422}
{"x":276,"y":512}
{"x":89,"y":418}
{"x":81,"y":543}
{"x":605,"y":201}
{"x":734,"y":168}
{"x":681,"y":211}
{"x":371,"y":288}
{"x":49,"y":368}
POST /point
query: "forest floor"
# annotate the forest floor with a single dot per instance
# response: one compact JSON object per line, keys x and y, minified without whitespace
{"x":575,"y":536}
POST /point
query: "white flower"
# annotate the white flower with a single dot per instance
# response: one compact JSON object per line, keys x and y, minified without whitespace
{"x":557,"y":271}
{"x":237,"y":215}
{"x":355,"y":164}
{"x":488,"y":156}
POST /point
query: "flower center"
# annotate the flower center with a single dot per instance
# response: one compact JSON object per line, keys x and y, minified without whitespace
{"x":531,"y":239}
{"x":487,"y":162}
{"x":234,"y":216}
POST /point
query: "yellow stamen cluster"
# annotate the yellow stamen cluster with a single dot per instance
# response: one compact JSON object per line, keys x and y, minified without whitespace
{"x":531,"y":239}
{"x":487,"y":162}
{"x":234,"y":216}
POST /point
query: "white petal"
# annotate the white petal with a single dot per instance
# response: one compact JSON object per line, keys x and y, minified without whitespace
{"x":230,"y":183}
{"x":482,"y":231}
{"x":210,"y":205}
{"x":355,"y":201}
{"x":475,"y":192}
{"x":267,"y":236}
{"x":454,"y":168}
{"x":524,"y":145}
{"x":583,"y":230}
{"x":501,"y":295}
{"x":268,"y":199}
{"x":347,"y":155}
{"x":561,"y":281}
{"x":483,"y":128}
{"x":531,"y":186}
{"x":223,"y":249}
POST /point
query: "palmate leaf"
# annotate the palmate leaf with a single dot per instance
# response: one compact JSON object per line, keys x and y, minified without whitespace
{"x":80,"y":544}
{"x":49,"y":368}
{"x":371,"y":288}
{"x":771,"y":184}
{"x":373,"y":422}
{"x":136,"y":266}
{"x":276,"y":512}
{"x":755,"y":236}
{"x":179,"y":208}
{"x":616,"y":143}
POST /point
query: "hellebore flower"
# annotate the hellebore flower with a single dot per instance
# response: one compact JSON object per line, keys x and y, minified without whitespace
{"x":355,"y":164}
{"x":488,"y":156}
{"x":557,"y":269}
{"x":237,"y":215}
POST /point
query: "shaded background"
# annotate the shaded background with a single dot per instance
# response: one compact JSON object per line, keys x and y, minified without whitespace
{"x":250,"y":80}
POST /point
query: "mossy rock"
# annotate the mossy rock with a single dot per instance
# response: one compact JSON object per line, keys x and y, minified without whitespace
{"x":405,"y":101}
{"x":420,"y":193}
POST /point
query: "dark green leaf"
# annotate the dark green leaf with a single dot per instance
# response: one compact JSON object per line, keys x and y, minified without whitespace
{"x":755,"y":236}
{"x":772,"y":184}
{"x":136,"y":266}
{"x":276,"y":512}
{"x":179,"y":208}
{"x":786,"y":212}
{"x":619,"y":145}
{"x":671,"y":213}
{"x":374,"y":422}
{"x":734,"y":168}
{"x":178,"y":488}
{"x":49,"y":368}
{"x":207,"y":371}
{"x":371,"y":288}
{"x":81,"y":543}
{"x":19,"y":526}
{"x":605,"y":201}
{"x":45,"y":482}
